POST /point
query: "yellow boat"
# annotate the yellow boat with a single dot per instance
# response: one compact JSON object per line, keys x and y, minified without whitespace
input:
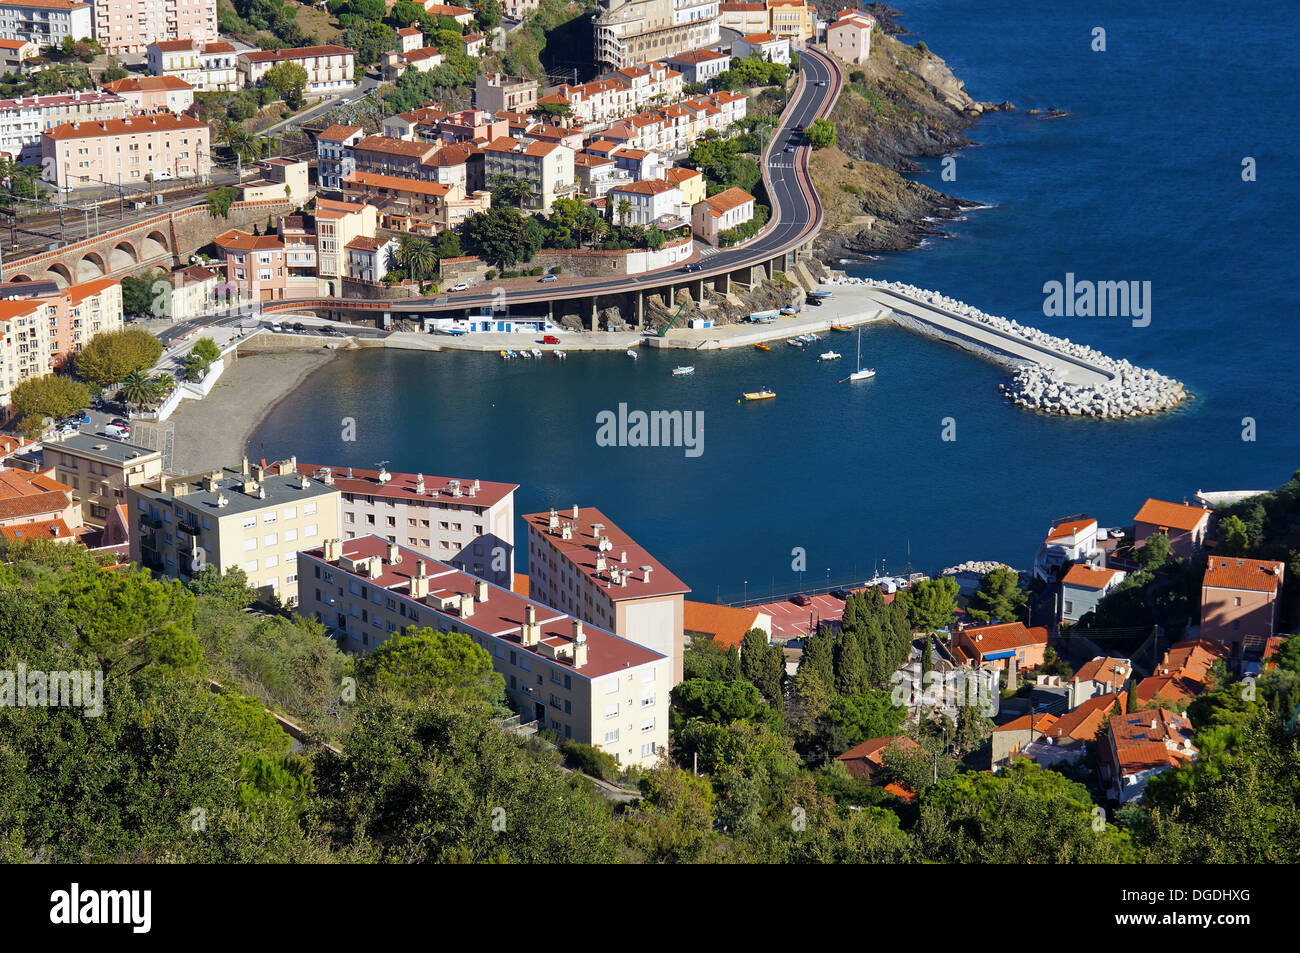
{"x":838,"y":327}
{"x":762,"y":347}
{"x":763,"y":394}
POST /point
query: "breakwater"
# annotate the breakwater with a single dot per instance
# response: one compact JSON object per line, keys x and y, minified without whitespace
{"x":1049,"y":374}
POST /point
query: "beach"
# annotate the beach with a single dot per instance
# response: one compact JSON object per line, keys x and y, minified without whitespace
{"x":214,"y":432}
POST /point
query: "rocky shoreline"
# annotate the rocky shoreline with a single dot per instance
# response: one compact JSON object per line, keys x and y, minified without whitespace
{"x":1132,"y":391}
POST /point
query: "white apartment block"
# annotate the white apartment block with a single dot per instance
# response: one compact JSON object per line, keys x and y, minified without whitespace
{"x":640,"y":31}
{"x":649,"y":202}
{"x":22,"y":120}
{"x":468,"y":524}
{"x":621,"y":93}
{"x":207,"y":66}
{"x":247,"y":518}
{"x":583,"y":564}
{"x":46,"y":22}
{"x":579,"y":680}
{"x":329,"y":68}
{"x":547,"y":166}
{"x":129,"y":26}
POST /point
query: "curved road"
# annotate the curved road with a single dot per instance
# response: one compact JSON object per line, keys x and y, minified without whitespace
{"x":796,"y":216}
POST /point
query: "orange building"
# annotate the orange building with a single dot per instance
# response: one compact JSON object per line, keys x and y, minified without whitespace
{"x":1239,"y":600}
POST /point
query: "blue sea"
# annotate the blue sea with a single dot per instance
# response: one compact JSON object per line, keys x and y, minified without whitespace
{"x":1142,"y":181}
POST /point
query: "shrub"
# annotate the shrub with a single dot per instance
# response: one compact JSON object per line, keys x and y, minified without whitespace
{"x":490,"y":274}
{"x":591,"y":760}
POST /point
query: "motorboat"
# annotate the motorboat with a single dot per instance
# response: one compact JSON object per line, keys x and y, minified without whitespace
{"x":631,"y":353}
{"x":829,"y":356}
{"x":683,"y":370}
{"x":763,"y":394}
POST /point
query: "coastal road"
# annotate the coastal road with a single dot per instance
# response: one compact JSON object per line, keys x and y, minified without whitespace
{"x":796,"y":216}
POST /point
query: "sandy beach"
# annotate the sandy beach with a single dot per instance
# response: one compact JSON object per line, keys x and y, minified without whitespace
{"x":213,"y":432}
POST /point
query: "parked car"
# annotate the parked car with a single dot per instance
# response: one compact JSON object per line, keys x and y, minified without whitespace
{"x":299,"y":326}
{"x":840,"y":594}
{"x":550,"y":339}
{"x":801,"y":600}
{"x":117,"y":430}
{"x":459,"y":286}
{"x":548,"y":278}
{"x":789,"y":148}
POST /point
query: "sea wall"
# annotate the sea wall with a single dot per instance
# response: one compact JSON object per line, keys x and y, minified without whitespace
{"x":1122,"y":390}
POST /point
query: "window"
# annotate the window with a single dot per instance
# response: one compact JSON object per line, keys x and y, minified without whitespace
{"x":309,"y":509}
{"x":611,"y":711}
{"x":309,"y":530}
{"x":647,"y":701}
{"x":611,"y":686}
{"x":268,"y":517}
{"x":271,"y":561}
{"x":250,"y":566}
{"x":270,"y":539}
{"x":611,"y":735}
{"x":290,"y":535}
{"x":648,"y":676}
{"x":250,"y":544}
{"x":648,"y":725}
{"x":648,"y":750}
{"x":291,"y":513}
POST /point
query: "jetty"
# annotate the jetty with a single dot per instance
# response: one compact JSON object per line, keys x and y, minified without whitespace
{"x":1049,"y":374}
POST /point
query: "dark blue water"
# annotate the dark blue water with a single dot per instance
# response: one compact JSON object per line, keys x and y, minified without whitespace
{"x":1141,"y":182}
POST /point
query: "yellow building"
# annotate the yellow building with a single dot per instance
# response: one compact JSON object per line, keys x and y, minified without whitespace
{"x":99,"y":469}
{"x":338,"y":223}
{"x":794,"y":20}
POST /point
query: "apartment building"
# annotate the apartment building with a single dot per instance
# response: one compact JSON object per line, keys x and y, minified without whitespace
{"x":624,"y":92}
{"x":129,"y":26}
{"x":247,"y":518}
{"x":46,"y":22}
{"x":279,"y":179}
{"x":369,"y":259}
{"x":335,"y":158}
{"x":849,"y":37}
{"x":720,"y":213}
{"x":22,"y":120}
{"x":194,"y":292}
{"x":649,"y":202}
{"x":578,"y":679}
{"x":699,"y":66}
{"x":583,"y":564}
{"x":641,"y":31}
{"x":151,"y":94}
{"x":744,"y":18}
{"x":468,"y":524}
{"x":129,"y":151}
{"x":37,"y":505}
{"x":403,"y":203}
{"x":99,"y":469}
{"x":388,"y":156}
{"x":337,"y":225}
{"x":793,"y":20}
{"x":518,"y":9}
{"x":1239,"y":601}
{"x":546,"y":166}
{"x":276,"y":267}
{"x":1140,"y":745}
{"x":330,"y":68}
{"x":495,"y":92}
{"x":207,"y":66}
{"x":41,"y":332}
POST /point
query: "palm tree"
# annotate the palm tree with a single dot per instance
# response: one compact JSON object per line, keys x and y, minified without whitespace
{"x":138,"y":388}
{"x":421,"y":259}
{"x":624,"y":208}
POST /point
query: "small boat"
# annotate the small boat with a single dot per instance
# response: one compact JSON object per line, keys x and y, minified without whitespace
{"x":763,"y":347}
{"x":505,"y":356}
{"x":560,"y":355}
{"x":763,"y":394}
{"x":511,"y":354}
{"x":819,"y":294}
{"x":862,"y":373}
{"x":537,"y":352}
{"x":683,"y":370}
{"x":811,"y":338}
{"x":524,"y":354}
{"x":829,"y":356}
{"x":631,"y":353}
{"x":788,"y":311}
{"x":794,"y":342}
{"x":838,"y":327}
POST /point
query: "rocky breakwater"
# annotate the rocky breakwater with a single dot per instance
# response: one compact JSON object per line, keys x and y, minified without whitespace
{"x":1120,"y":389}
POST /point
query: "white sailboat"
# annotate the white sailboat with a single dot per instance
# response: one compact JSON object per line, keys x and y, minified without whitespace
{"x":862,"y":373}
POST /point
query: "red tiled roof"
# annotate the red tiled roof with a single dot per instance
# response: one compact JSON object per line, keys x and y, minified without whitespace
{"x":1040,"y":722}
{"x":1083,"y":721}
{"x":1231,"y":572}
{"x":863,"y":759}
{"x":145,"y":84}
{"x":1085,"y":577}
{"x":1068,"y":528}
{"x":338,"y":133}
{"x":403,"y":485}
{"x":1007,"y":635}
{"x":1105,"y":670}
{"x":155,"y":122}
{"x":397,"y":183}
{"x":1173,"y":515}
{"x":295,"y":53}
{"x":726,"y":624}
{"x":40,"y":529}
{"x":724,"y":202}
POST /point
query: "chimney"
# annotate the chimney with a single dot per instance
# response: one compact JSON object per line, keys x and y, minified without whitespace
{"x":600,"y":562}
{"x":290,"y":467}
{"x":466,"y":605}
{"x":646,"y":570}
{"x":244,"y":467}
{"x":333,"y":550}
{"x":1154,"y":724}
{"x":394,"y":554}
{"x":374,"y":567}
{"x":420,"y":582}
{"x":553,"y":522}
{"x":530,"y":633}
{"x":622,"y":557}
{"x":579,"y":645}
{"x":481,"y":590}
{"x":575,"y":511}
{"x":221,"y":500}
{"x":419,"y":483}
{"x":304,"y":483}
{"x":162,"y":483}
{"x":260,"y":473}
{"x":325,"y":475}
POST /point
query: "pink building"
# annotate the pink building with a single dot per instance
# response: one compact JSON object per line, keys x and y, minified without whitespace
{"x":270,"y":267}
{"x":1186,"y":526}
{"x":129,"y":26}
{"x":1239,"y":600}
{"x":151,"y":94}
{"x":128,"y":151}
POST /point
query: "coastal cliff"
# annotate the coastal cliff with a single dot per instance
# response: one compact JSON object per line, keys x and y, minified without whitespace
{"x":903,"y":103}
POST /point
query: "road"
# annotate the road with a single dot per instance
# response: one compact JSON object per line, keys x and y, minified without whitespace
{"x":796,"y":216}
{"x":361,"y":90}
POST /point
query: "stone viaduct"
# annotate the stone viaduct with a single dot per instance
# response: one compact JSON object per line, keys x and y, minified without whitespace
{"x":166,"y":240}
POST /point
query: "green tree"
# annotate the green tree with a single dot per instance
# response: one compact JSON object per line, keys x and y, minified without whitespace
{"x":290,"y":81}
{"x":763,"y":665}
{"x":110,"y":356}
{"x":138,"y":389}
{"x":422,"y":663}
{"x":509,"y":190}
{"x":850,"y":670}
{"x":50,"y":395}
{"x":230,"y":588}
{"x":999,"y":597}
{"x":852,"y":719}
{"x":419,"y":259}
{"x":207,"y":349}
{"x":820,"y":134}
{"x":1154,"y":552}
{"x":673,"y":822}
{"x":1233,"y":538}
{"x":932,"y":603}
{"x":220,"y":199}
{"x":497,"y":236}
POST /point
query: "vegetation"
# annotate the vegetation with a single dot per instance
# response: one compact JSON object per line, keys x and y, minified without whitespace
{"x":110,"y":356}
{"x":751,"y":71}
{"x":144,"y":295}
{"x":290,"y":81}
{"x":820,"y":134}
{"x":220,"y":199}
{"x":50,"y":395}
{"x":999,"y":597}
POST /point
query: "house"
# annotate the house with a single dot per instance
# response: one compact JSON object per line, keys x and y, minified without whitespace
{"x":1066,"y":740}
{"x":690,"y":182}
{"x":495,"y":92}
{"x":207,"y":66}
{"x":409,"y":38}
{"x":276,"y":267}
{"x":849,"y":37}
{"x":721,"y":213}
{"x":744,"y":17}
{"x":473,"y":43}
{"x":1141,"y":745}
{"x":1186,"y":526}
{"x":14,"y":53}
{"x":99,"y":469}
{"x":1073,"y":539}
{"x":337,"y":225}
{"x":866,"y":759}
{"x":579,"y":680}
{"x":1183,"y":673}
{"x":766,"y":46}
{"x":584,"y":564}
{"x":1082,"y":587}
{"x":194,"y":292}
{"x":1007,"y":740}
{"x":1103,"y":675}
{"x":422,"y":60}
{"x":330,"y":68}
{"x":1239,"y":601}
{"x":648,"y":202}
{"x":546,"y":166}
{"x":281,"y":179}
{"x":335,"y":157}
{"x":369,"y":259}
{"x":36,"y":504}
{"x":792,"y":20}
{"x":699,"y":66}
{"x":151,"y":94}
{"x":460,"y":14}
{"x":725,"y":625}
{"x":1008,"y":646}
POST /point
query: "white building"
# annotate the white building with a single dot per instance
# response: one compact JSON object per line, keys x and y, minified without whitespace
{"x":849,"y":37}
{"x":207,"y":67}
{"x":766,"y":46}
{"x":649,"y":202}
{"x":22,"y":120}
{"x":369,"y":259}
{"x":45,"y":22}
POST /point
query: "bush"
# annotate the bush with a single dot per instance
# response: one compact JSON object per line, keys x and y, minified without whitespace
{"x":556,"y":269}
{"x":490,"y":274}
{"x":591,"y":760}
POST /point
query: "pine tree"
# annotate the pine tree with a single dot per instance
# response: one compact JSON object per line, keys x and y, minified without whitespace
{"x":819,"y":657}
{"x":850,"y":670}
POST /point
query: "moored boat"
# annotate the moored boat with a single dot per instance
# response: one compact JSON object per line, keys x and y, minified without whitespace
{"x":763,"y":347}
{"x":763,"y":394}
{"x":683,"y":370}
{"x":829,"y":356}
{"x":631,"y":353}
